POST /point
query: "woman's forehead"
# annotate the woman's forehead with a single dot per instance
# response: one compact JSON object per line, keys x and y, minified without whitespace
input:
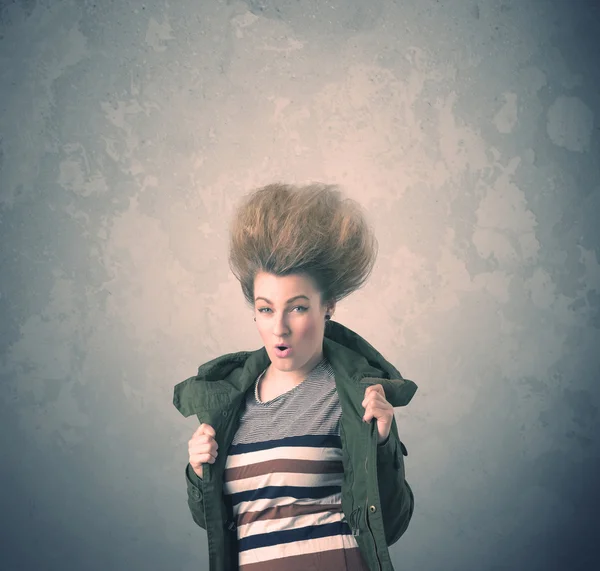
{"x":279,"y":287}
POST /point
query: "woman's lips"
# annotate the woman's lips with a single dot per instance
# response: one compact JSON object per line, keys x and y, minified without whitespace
{"x":285,"y":353}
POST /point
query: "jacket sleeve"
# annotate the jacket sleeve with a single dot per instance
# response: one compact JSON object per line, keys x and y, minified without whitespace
{"x":396,"y":496}
{"x":195,"y":499}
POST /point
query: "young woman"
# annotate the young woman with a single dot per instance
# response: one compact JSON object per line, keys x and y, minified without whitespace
{"x":297,"y":463}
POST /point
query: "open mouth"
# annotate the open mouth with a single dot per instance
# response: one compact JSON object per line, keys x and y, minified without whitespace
{"x":282,"y":350}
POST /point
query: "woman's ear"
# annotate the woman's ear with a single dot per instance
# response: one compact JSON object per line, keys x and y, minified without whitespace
{"x":331,"y":309}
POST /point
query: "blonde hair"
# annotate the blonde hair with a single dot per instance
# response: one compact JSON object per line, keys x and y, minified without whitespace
{"x":285,"y":229}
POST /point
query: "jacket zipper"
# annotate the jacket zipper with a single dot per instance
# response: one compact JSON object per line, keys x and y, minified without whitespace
{"x":367,"y":517}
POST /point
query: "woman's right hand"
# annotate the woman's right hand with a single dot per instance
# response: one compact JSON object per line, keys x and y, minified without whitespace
{"x":202,"y":448}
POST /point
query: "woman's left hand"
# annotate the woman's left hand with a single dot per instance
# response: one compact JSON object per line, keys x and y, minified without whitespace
{"x":376,"y":406}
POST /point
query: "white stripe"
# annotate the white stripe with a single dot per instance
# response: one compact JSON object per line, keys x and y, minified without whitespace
{"x":261,"y":505}
{"x":286,"y":523}
{"x":283,"y":479}
{"x":297,"y":548}
{"x":287,"y":452}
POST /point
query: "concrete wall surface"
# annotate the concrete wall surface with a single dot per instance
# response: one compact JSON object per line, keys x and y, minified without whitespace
{"x":469,"y":131}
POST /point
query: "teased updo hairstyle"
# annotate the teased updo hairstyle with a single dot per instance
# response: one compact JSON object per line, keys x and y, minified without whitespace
{"x":285,"y":229}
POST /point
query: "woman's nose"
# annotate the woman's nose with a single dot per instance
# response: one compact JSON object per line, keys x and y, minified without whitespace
{"x":280,"y":327}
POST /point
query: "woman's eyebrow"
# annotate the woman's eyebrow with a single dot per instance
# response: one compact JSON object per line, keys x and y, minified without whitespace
{"x":288,"y":301}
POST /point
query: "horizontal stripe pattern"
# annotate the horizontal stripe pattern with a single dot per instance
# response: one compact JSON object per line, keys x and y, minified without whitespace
{"x":276,"y":492}
{"x":296,"y":520}
{"x":307,"y":440}
{"x":316,"y":555}
{"x":261,"y":506}
{"x":349,"y":559}
{"x":292,"y":510}
{"x":283,"y":477}
{"x":304,"y":453}
{"x":275,"y":466}
{"x":299,"y":485}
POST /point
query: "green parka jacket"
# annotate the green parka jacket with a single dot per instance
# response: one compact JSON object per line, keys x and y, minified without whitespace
{"x":376,"y":499}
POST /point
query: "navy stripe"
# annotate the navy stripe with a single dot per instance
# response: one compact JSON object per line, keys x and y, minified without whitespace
{"x":272,"y":492}
{"x":292,"y":535}
{"x":309,"y":440}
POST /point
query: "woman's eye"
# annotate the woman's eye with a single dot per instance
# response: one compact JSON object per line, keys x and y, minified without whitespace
{"x":265,"y":309}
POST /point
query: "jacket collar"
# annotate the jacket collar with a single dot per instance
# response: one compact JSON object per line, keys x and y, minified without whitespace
{"x":224,"y":380}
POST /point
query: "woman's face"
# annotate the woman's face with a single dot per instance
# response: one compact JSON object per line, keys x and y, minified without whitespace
{"x":288,"y":310}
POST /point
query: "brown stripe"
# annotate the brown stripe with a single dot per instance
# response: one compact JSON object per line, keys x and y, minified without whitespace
{"x":347,"y":559}
{"x":291,"y":510}
{"x":284,"y":465}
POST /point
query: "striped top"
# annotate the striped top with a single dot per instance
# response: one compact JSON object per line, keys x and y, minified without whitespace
{"x":283,"y":477}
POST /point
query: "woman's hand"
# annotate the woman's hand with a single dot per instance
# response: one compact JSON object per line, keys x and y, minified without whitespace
{"x":376,"y":406}
{"x":202,"y":448}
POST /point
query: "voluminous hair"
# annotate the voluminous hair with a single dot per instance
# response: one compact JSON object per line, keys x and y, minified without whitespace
{"x":285,"y":229}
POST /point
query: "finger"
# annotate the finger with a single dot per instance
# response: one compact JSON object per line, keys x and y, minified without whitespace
{"x":378,"y":412}
{"x":210,"y":458}
{"x":199,"y":459}
{"x":203,"y":439}
{"x":374,"y":396}
{"x":204,"y":429}
{"x":207,"y":438}
{"x":204,"y":446}
{"x":203,"y":452}
{"x":375,"y":390}
{"x":379,"y":390}
{"x":207,"y":429}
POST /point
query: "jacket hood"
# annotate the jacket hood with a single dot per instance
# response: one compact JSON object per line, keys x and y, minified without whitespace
{"x":226,"y":379}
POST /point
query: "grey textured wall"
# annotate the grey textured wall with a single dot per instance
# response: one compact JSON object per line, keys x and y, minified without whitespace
{"x":469,"y":131}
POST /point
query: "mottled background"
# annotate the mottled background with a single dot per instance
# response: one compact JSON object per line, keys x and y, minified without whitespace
{"x":470,"y":132}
